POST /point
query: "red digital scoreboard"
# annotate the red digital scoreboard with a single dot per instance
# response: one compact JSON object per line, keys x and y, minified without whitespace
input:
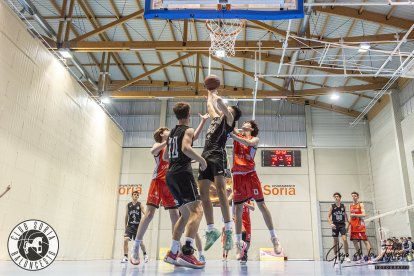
{"x":281,"y":158}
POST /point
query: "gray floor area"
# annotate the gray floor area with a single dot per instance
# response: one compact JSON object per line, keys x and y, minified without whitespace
{"x":216,"y":268}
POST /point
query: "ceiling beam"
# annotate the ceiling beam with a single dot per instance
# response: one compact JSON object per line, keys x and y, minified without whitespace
{"x":192,"y":67}
{"x":326,"y":106}
{"x":108,"y":26}
{"x":128,"y":82}
{"x":276,"y":59}
{"x":148,"y":28}
{"x":197,"y":78}
{"x":62,"y":22}
{"x":69,"y":20}
{"x":128,"y":34}
{"x":344,"y":89}
{"x":250,"y":74}
{"x":101,"y":72}
{"x":87,"y":10}
{"x":269,"y":28}
{"x":379,"y":105}
{"x":175,"y":39}
{"x":248,"y":45}
{"x":246,"y":93}
{"x":234,"y":91}
{"x":396,"y":22}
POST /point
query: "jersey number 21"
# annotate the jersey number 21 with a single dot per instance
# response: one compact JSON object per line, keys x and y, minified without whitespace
{"x":173,"y":151}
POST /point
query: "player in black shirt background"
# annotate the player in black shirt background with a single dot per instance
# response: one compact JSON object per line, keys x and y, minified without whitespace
{"x":338,"y":220}
{"x":181,"y":182}
{"x":133,"y":215}
{"x":223,"y":120}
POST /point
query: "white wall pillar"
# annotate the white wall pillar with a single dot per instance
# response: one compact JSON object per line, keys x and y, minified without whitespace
{"x":402,"y":160}
{"x":314,"y":204}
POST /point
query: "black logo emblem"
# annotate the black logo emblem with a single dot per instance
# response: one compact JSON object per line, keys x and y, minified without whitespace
{"x":33,"y":245}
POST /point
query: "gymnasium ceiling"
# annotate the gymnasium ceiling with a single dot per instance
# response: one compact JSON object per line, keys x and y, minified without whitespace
{"x":129,"y":57}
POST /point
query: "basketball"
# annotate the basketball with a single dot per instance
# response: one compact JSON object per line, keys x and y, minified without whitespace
{"x":212,"y":82}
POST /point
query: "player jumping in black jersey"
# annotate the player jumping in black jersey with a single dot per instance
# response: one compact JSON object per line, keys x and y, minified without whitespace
{"x":181,"y":182}
{"x":223,"y":120}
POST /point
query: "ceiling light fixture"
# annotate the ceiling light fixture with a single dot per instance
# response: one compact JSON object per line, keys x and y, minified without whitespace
{"x":335,"y":96}
{"x":106,"y":100}
{"x":65,"y":53}
{"x":220,"y":53}
{"x":364,"y":47}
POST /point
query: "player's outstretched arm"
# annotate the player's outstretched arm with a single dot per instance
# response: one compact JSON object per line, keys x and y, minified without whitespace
{"x":157,"y":147}
{"x":248,"y":142}
{"x":188,"y":150}
{"x":223,"y":108}
{"x":210,"y":106}
{"x":236,"y":131}
{"x":201,"y":125}
{"x":165,"y":156}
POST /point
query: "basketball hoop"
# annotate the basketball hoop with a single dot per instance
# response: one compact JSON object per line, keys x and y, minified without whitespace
{"x":223,"y":34}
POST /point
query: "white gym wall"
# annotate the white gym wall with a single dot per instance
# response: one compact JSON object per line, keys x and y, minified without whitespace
{"x":59,"y":150}
{"x":339,"y":161}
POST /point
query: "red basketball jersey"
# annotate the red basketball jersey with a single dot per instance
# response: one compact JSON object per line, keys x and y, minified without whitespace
{"x":357,"y":223}
{"x":160,"y":167}
{"x":243,"y":157}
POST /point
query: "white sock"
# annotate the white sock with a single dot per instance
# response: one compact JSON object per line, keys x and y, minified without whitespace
{"x":210,"y":227}
{"x":200,"y":253}
{"x":238,"y":237}
{"x":228,"y":225}
{"x":190,"y":240}
{"x":272,"y":233}
{"x":175,"y":246}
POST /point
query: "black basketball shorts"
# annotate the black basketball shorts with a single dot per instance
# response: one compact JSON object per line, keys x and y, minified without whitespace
{"x":183,"y":187}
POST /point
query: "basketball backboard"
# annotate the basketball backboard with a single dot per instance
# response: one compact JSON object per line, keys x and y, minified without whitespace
{"x":213,"y":9}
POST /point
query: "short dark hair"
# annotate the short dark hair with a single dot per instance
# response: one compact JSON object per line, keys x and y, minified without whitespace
{"x":135,"y":192}
{"x":355,"y":193}
{"x":157,"y":134}
{"x":181,"y":110}
{"x":237,"y":112}
{"x":338,"y":194}
{"x":254,"y":127}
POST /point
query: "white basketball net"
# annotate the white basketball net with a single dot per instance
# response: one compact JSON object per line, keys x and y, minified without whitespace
{"x":223,"y":34}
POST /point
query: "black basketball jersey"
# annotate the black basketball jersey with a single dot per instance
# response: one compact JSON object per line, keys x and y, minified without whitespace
{"x":134,"y":213}
{"x":178,"y":161}
{"x":217,"y":135}
{"x":338,"y":214}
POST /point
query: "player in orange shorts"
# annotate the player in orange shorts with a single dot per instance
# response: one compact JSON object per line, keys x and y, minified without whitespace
{"x":158,"y":192}
{"x":246,"y":184}
{"x":358,"y":229}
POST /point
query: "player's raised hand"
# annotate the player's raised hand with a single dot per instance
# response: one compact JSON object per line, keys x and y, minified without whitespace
{"x":204,"y":117}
